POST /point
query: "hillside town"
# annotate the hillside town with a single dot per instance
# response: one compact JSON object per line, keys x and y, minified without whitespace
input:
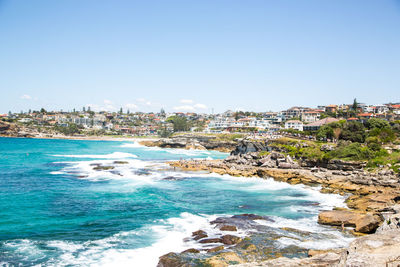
{"x":293,"y":120}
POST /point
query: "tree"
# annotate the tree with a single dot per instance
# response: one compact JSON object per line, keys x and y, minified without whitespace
{"x":42,"y":110}
{"x":325,"y":131}
{"x":164,"y":133}
{"x":353,"y":131}
{"x":120,"y":111}
{"x":180,"y":123}
{"x":377,"y":123}
{"x":355,"y":105}
{"x":84,"y":109}
{"x":162,"y":113}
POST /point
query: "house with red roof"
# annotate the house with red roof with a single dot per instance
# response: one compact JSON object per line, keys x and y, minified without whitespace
{"x":395,"y":109}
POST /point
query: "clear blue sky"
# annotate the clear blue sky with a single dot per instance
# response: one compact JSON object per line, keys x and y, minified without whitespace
{"x":197,"y":55}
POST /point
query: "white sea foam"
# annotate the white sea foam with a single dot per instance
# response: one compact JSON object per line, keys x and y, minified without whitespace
{"x":115,"y":155}
{"x":132,"y":145}
{"x":168,"y":235}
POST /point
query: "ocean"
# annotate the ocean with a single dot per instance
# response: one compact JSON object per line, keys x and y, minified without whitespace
{"x":60,"y":206}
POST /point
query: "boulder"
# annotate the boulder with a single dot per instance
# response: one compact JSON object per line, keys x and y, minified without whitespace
{"x":228,"y":228}
{"x":171,"y":260}
{"x":199,"y":234}
{"x":210,"y":240}
{"x":337,"y":217}
{"x":230,"y":239}
{"x":364,"y":223}
{"x":103,"y":168}
{"x":368,"y":223}
{"x":246,"y":146}
{"x":216,"y":249}
{"x":191,"y":250}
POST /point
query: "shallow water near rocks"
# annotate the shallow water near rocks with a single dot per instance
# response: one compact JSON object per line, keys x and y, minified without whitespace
{"x":57,"y":210}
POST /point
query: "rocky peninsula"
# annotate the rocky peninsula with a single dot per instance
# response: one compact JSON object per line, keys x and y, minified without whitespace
{"x":373,"y":212}
{"x":189,"y":141}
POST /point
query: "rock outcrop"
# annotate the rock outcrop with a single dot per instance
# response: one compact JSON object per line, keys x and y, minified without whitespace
{"x":368,"y":251}
{"x":192,"y":142}
{"x":363,"y":222}
{"x":246,"y":146}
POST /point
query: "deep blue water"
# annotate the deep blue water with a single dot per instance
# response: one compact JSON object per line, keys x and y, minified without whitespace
{"x":56,"y":210}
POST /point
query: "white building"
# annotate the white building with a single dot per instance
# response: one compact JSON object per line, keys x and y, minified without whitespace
{"x":294,"y":124}
{"x":310,"y":116}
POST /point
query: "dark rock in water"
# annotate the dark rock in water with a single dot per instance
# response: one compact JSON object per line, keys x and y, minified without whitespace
{"x":103,"y":168}
{"x":216,"y":249}
{"x":247,"y":216}
{"x":120,"y":162}
{"x":199,"y":235}
{"x":210,"y":240}
{"x":95,"y":164}
{"x":243,"y":221}
{"x":116,"y":173}
{"x":230,"y":239}
{"x":142,"y":172}
{"x":228,"y":228}
{"x":172,"y":178}
{"x":191,"y":250}
{"x":82,"y":176}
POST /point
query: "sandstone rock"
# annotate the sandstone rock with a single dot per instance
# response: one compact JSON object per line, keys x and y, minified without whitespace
{"x":171,"y":260}
{"x":216,"y":249}
{"x":199,"y":234}
{"x":228,"y":228}
{"x":210,"y":240}
{"x":374,"y":250}
{"x":191,"y":250}
{"x":367,"y":224}
{"x":364,"y":223}
{"x":230,"y":239}
{"x":337,"y":217}
{"x":222,"y":259}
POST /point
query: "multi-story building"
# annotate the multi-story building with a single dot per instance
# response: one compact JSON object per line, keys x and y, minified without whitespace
{"x":294,"y":124}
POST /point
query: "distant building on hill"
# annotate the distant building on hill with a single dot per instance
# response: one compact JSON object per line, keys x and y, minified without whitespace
{"x":294,"y":124}
{"x":314,"y":126}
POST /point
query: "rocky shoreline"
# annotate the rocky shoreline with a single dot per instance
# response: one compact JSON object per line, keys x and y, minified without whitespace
{"x":373,"y":211}
{"x":198,"y":142}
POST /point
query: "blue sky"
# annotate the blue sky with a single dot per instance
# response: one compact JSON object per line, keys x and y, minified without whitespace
{"x":197,"y":55}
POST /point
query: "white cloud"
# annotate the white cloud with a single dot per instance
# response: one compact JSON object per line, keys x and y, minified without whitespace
{"x":131,"y":106}
{"x":93,"y":107}
{"x":107,"y":102}
{"x":26,"y":97}
{"x":186,"y":101}
{"x":107,"y":107}
{"x":200,"y":106}
{"x":148,"y":103}
{"x":142,"y":100}
{"x":184,"y":108}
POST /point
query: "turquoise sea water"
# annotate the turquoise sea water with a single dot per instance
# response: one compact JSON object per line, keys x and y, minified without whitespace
{"x":56,"y":210}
